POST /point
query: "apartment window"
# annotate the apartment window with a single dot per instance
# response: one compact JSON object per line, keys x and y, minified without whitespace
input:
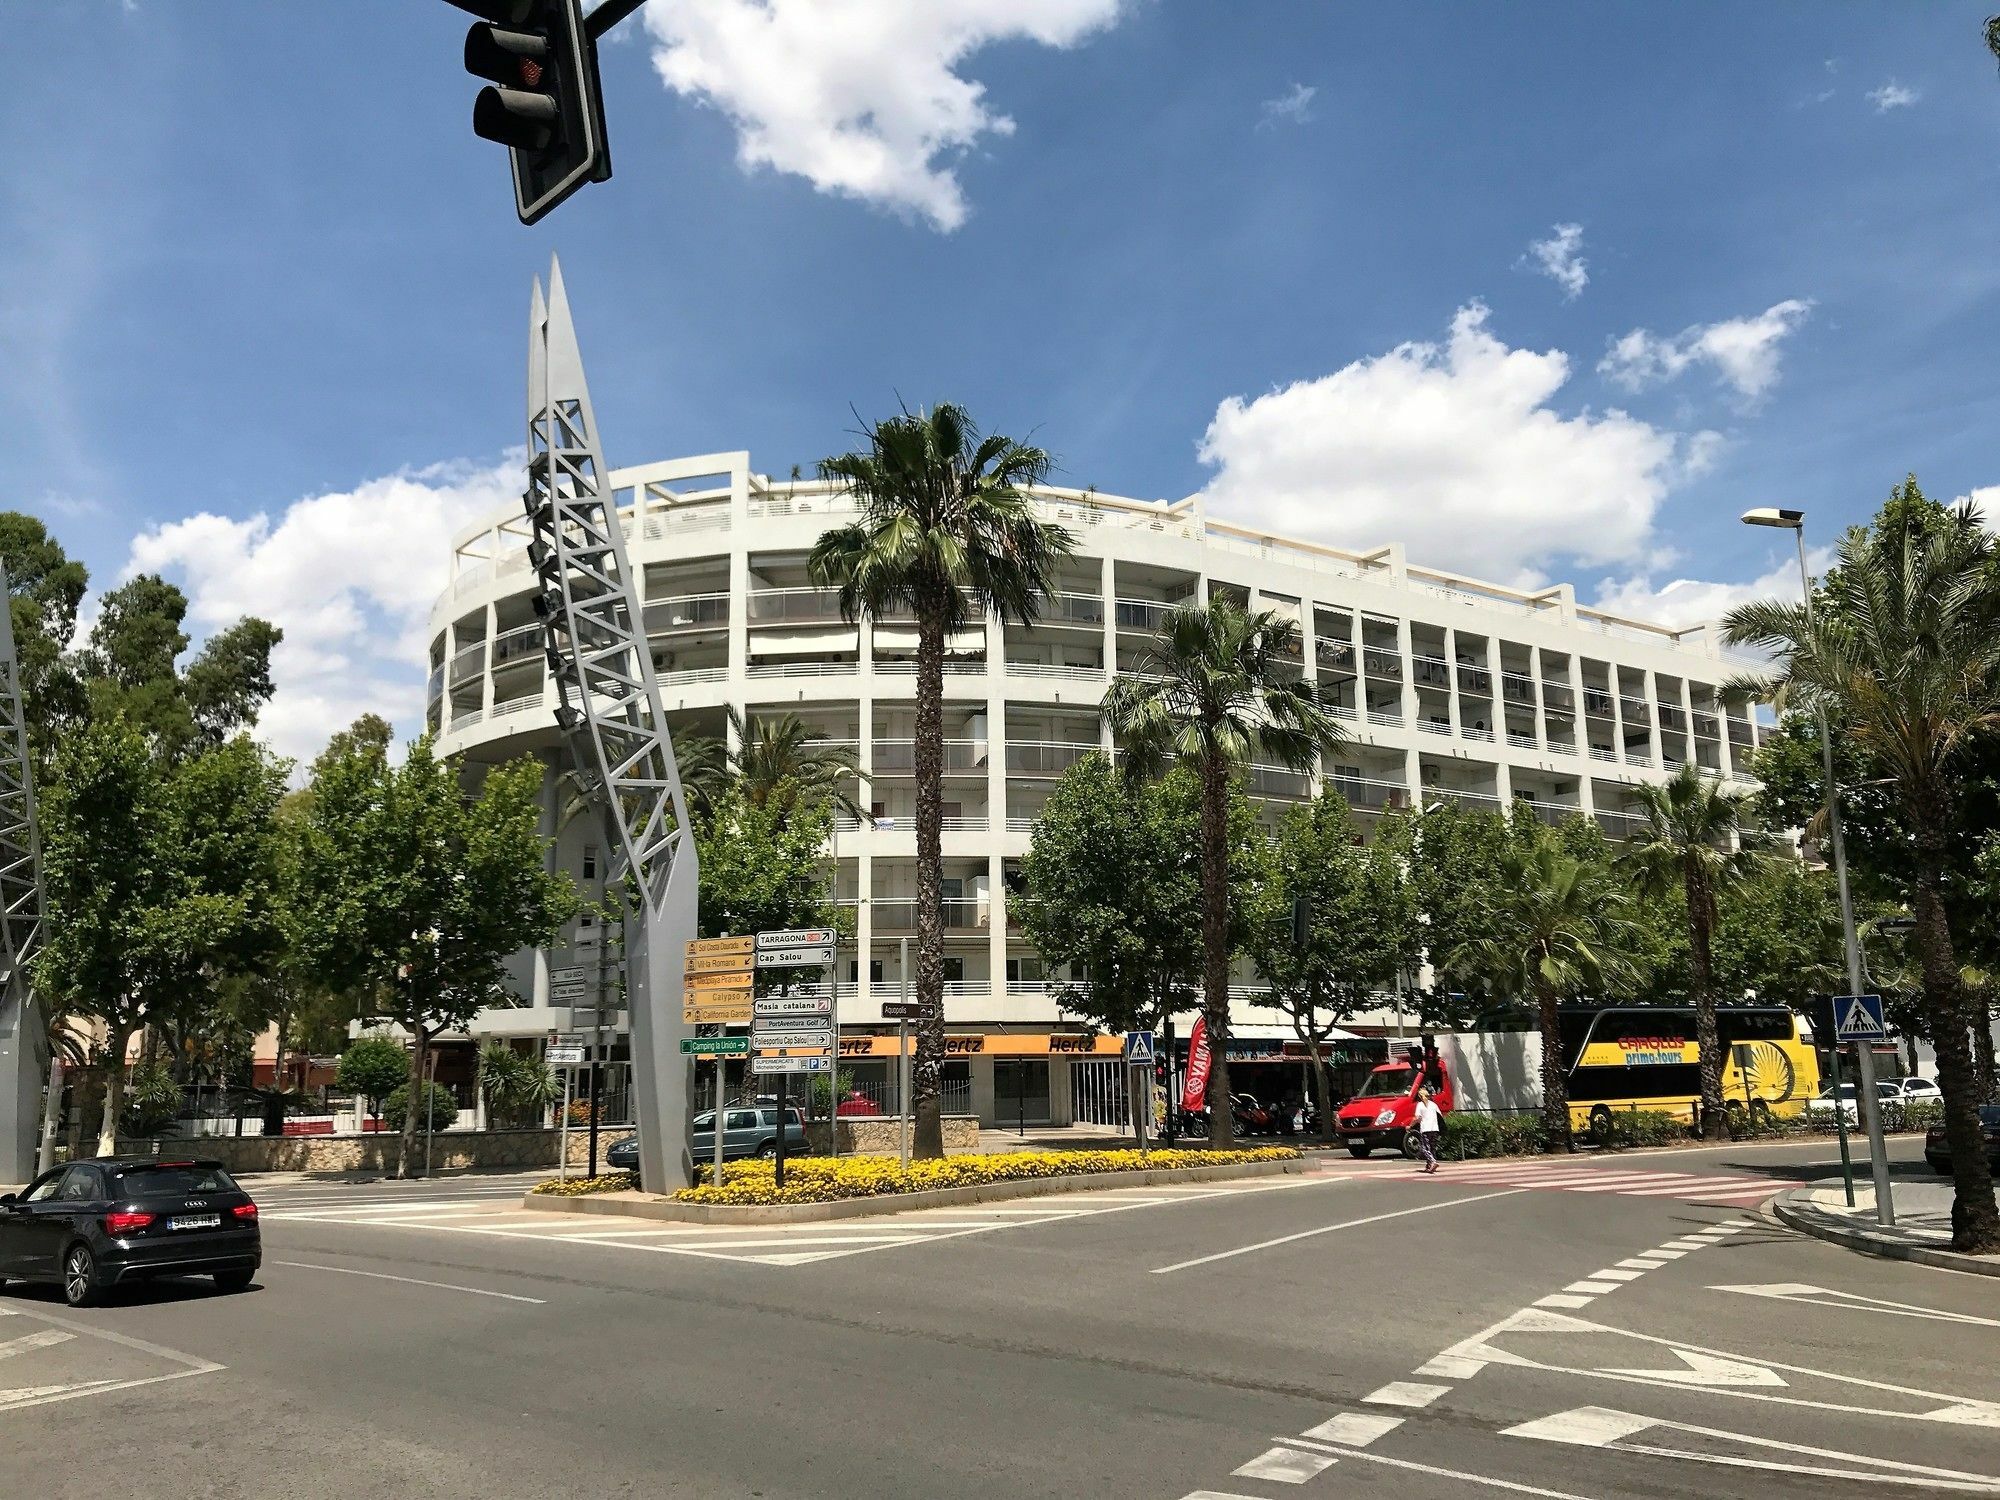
{"x":590,"y":861}
{"x":954,"y":971}
{"x":1026,"y":969}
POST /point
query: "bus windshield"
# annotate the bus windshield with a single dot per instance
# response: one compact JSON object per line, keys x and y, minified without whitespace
{"x":1387,"y":1082}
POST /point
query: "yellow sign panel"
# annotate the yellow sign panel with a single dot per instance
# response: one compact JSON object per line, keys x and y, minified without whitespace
{"x":720,"y":963}
{"x":727,"y":1007}
{"x":702,"y":947}
{"x":726,"y":979}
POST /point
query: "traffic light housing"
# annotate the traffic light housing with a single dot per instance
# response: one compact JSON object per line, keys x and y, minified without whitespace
{"x":543,"y":101}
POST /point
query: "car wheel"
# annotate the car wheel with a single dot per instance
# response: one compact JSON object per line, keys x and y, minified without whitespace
{"x":1360,"y":1151}
{"x":79,"y":1277}
{"x":768,"y":1151}
{"x":232,"y":1281}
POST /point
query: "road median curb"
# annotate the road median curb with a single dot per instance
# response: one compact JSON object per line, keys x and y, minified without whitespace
{"x":1795,"y":1208}
{"x":652,"y":1206}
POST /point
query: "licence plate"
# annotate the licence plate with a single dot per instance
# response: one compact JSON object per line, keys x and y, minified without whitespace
{"x":195,"y":1221}
{"x":1356,"y":1140}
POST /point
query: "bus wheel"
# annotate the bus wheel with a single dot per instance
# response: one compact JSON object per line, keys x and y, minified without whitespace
{"x":1600,"y":1125}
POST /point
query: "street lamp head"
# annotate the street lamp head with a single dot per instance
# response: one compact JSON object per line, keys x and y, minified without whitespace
{"x":1770,"y":515}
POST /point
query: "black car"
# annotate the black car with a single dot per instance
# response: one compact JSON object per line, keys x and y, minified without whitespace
{"x":97,"y":1224}
{"x":1937,"y":1150}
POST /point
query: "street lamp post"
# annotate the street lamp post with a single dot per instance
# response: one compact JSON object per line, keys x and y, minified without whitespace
{"x":1794,"y":521}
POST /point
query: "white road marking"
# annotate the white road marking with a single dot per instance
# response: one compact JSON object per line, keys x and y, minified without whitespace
{"x":1285,"y":1466}
{"x":1685,"y":1243}
{"x":1600,"y":1427}
{"x":1306,"y":1234}
{"x":1412,"y":1466}
{"x":1787,"y":1291}
{"x":1594,"y":1287}
{"x":1563,"y":1299}
{"x":1354,"y":1429}
{"x":29,"y":1341}
{"x":443,"y":1286}
{"x":1641,"y":1263}
{"x":45,"y":1395}
{"x":1707,"y":1370}
{"x":1609,"y":1275}
{"x":1451,"y":1367}
{"x":1413,"y":1393}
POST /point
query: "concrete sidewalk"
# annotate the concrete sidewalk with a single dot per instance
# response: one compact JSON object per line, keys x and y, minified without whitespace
{"x":1921,"y":1233}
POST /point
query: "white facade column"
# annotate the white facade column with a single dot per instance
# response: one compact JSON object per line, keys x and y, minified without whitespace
{"x":486,"y":664}
{"x":997,"y":739}
{"x":1412,"y":761}
{"x":1539,"y":710}
{"x":1649,"y":691}
{"x":1584,"y":795}
{"x":1451,"y":682}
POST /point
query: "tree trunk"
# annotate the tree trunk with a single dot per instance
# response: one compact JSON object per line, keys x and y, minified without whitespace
{"x":416,"y":1105}
{"x":1215,"y":948}
{"x":1320,"y":1079}
{"x":1555,"y":1089}
{"x":114,"y":1089}
{"x":1982,"y":1049}
{"x":1701,"y":976}
{"x":1975,"y":1217}
{"x":927,"y":1065}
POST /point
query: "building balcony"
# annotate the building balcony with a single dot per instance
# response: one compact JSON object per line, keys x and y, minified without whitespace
{"x":687,"y":612}
{"x":899,"y":758}
{"x":1072,"y":609}
{"x":794,"y":607}
{"x":1046,"y":757}
{"x":522,"y":643}
{"x":1370,"y":793}
{"x":899,"y":914}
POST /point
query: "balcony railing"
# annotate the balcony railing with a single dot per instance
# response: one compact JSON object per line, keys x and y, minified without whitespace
{"x":1432,"y":726}
{"x":695,"y":674}
{"x":1364,"y":791}
{"x":1619,"y":825}
{"x":1555,"y":814}
{"x":468,"y":662}
{"x":1518,"y":688}
{"x":953,"y":667}
{"x":1336,"y":654}
{"x":1474,"y":679}
{"x":899,"y":757}
{"x":1475,"y":732}
{"x":1430,"y":671}
{"x":793,"y":606}
{"x":900,"y":915}
{"x":802,"y":669}
{"x":1279,"y":781}
{"x":687,"y":612}
{"x":1389,"y":717}
{"x":1462,"y":797}
{"x":516,"y":645}
{"x":1380,"y":663}
{"x":1523,"y":741}
{"x":1145,"y":614}
{"x":1604,"y":753}
{"x":1051,"y":669}
{"x":1046,"y":757}
{"x":1073,"y":609}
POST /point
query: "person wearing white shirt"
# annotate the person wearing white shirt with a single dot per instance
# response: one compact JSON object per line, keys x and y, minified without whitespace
{"x":1430,"y":1121}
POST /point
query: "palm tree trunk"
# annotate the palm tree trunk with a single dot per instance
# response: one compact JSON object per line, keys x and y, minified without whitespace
{"x":1215,"y":947}
{"x":416,"y":1103}
{"x":1555,"y":1088}
{"x":1707,"y":1035}
{"x":927,"y":1067}
{"x":1982,"y":1048}
{"x":114,"y":1089}
{"x":1975,"y":1217}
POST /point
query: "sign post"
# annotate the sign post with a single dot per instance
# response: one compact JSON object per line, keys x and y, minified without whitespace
{"x":805,"y":1028}
{"x":562,"y":1135}
{"x":1140,"y":1053}
{"x":1860,"y":1019}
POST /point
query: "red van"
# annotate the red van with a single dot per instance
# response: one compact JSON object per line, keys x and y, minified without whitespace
{"x":1385,"y":1111}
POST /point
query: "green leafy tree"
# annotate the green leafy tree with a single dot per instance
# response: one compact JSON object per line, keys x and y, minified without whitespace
{"x":1353,"y":934}
{"x":414,"y":893}
{"x":1992,"y":29}
{"x":947,"y":528}
{"x":1778,"y":938}
{"x":764,"y":866}
{"x":1904,"y":658}
{"x":371,"y":1067}
{"x":160,"y":881}
{"x":1561,"y":929}
{"x":441,"y":1114}
{"x":1694,"y":840}
{"x":44,"y":586}
{"x":1214,"y":691}
{"x":1452,"y":856}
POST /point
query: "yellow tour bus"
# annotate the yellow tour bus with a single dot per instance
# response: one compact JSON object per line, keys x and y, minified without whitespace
{"x":1645,"y":1057}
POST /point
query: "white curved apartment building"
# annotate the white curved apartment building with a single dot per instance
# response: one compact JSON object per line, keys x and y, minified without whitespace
{"x":1452,"y":689}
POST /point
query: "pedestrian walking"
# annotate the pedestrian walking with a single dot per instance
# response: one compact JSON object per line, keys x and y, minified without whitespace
{"x":1430,"y":1121}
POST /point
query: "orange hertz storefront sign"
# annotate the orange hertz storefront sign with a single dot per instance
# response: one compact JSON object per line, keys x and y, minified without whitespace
{"x":1063,"y":1044}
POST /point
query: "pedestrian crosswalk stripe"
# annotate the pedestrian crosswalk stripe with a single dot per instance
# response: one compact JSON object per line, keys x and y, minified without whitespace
{"x":1572,"y":1177}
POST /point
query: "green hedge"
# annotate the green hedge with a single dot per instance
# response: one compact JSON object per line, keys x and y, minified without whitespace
{"x":1643,"y":1127}
{"x":1466,"y":1136}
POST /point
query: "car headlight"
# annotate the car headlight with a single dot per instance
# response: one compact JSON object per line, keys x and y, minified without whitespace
{"x":1385,"y":1117}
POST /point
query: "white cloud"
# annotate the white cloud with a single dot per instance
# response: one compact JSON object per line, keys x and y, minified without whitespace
{"x":1294,"y":106}
{"x":1893,"y":95}
{"x":1558,"y":259}
{"x":349,"y":577}
{"x":1743,"y":352}
{"x":862,"y":97}
{"x":1452,"y":449}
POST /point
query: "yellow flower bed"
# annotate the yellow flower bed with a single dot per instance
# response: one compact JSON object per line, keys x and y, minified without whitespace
{"x":815,"y":1179}
{"x":577,"y":1187}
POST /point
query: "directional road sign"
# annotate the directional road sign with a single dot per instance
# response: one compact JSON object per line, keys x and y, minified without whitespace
{"x":795,"y":958}
{"x":715,"y":1046}
{"x":902,"y":1010}
{"x":797,"y":937}
{"x":730,"y":1007}
{"x":708,"y":947}
{"x":564,"y":1057}
{"x":567,"y":990}
{"x":1859,"y":1018}
{"x":792,"y":1006}
{"x":719,"y":963}
{"x":733,"y":979}
{"x":765,"y":1065}
{"x":571,"y":975}
{"x":1139,"y":1051}
{"x":801,"y":1034}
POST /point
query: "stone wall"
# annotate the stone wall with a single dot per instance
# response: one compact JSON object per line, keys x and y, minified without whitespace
{"x":450,"y":1151}
{"x":871,"y":1136}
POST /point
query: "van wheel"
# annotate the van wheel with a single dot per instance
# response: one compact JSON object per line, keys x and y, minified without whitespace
{"x":1358,"y":1152}
{"x":1600,"y":1125}
{"x":1411,"y":1149}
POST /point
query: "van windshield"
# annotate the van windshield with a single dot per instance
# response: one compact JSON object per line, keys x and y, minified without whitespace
{"x":1387,"y":1081}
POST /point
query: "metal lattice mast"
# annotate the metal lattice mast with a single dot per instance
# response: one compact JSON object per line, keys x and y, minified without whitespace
{"x":24,"y":1051}
{"x":593,"y":612}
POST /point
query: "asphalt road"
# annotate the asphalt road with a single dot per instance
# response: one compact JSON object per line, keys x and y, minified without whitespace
{"x":1611,"y":1329}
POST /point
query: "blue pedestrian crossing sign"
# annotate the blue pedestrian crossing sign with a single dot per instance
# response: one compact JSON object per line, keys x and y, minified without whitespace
{"x":1859,"y":1018}
{"x":1139,"y":1050}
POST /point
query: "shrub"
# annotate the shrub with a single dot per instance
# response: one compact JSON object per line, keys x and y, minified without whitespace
{"x":822,"y":1180}
{"x":1919,"y":1114}
{"x":443,"y":1107}
{"x":152,"y":1099}
{"x":372,"y":1066}
{"x":1465,"y":1136}
{"x":1644,"y":1127}
{"x":577,"y":1187}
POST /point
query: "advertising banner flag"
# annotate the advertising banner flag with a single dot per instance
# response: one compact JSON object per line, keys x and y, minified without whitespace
{"x":1196,"y":1091}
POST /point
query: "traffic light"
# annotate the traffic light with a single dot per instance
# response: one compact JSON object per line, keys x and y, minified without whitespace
{"x":543,"y":103}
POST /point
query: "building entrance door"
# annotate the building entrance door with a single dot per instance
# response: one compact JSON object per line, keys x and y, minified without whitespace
{"x":1020,"y":1092}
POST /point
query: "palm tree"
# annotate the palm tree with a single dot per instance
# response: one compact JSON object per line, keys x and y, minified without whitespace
{"x":947,"y":527}
{"x":1993,"y":35}
{"x":787,"y":759}
{"x":1902,"y":655}
{"x":1694,"y":841}
{"x":1562,"y":930}
{"x":1217,"y":688}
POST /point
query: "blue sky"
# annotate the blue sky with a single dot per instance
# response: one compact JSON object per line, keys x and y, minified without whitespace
{"x":1543,"y":291}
